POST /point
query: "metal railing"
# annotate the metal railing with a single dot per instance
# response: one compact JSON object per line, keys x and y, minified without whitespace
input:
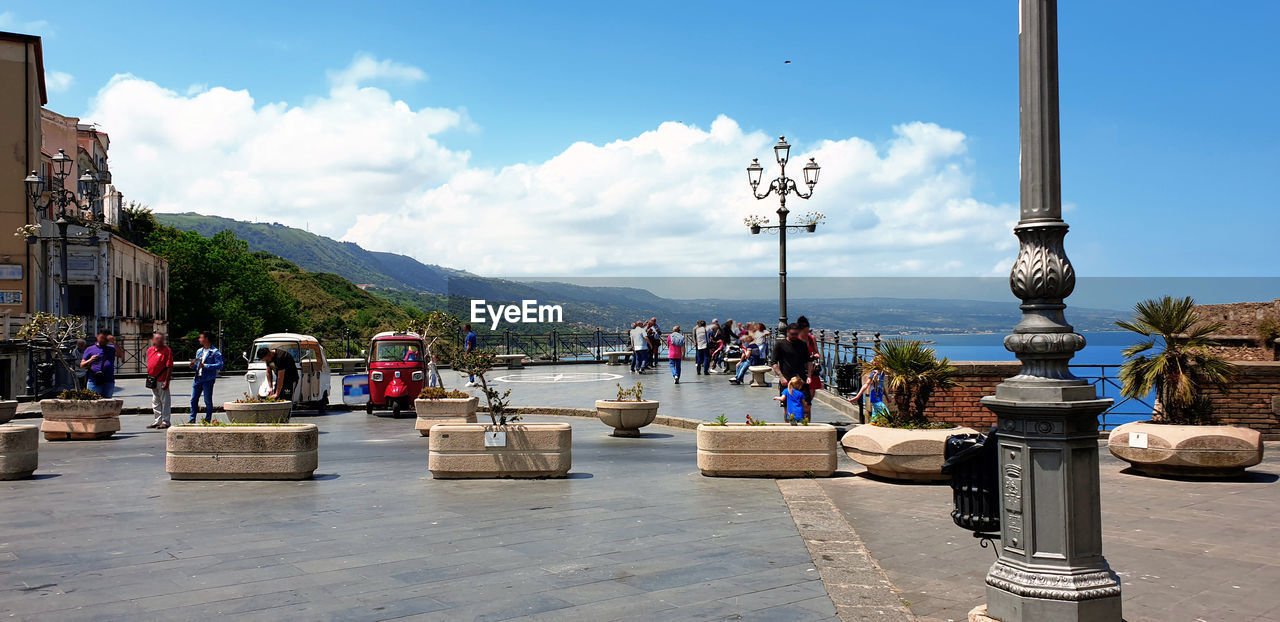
{"x":833,"y":351}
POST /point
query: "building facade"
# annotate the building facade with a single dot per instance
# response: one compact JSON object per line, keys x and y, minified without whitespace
{"x":111,"y":282}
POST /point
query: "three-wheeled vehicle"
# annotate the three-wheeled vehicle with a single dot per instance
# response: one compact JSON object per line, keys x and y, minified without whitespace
{"x":314,"y":377}
{"x":397,"y":371}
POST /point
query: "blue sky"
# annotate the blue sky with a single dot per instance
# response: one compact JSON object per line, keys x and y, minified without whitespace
{"x":1168,"y":108}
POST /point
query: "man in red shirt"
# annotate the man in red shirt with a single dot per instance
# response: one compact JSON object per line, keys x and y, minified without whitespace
{"x":159,"y":373}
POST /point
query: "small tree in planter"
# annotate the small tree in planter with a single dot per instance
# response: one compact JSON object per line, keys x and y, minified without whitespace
{"x":629,"y":412}
{"x":1174,"y":361}
{"x":76,"y":414}
{"x":901,"y":442}
{"x":499,"y":448}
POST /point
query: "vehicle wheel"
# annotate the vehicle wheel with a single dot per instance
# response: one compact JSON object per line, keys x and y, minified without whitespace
{"x":395,"y":409}
{"x":368,"y":407}
{"x":323,"y":406}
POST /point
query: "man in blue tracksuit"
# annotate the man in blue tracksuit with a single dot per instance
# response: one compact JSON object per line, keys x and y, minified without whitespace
{"x":469,"y":345}
{"x":207,"y":363}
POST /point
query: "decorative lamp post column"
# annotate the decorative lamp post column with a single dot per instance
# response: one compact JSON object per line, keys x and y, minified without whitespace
{"x":60,"y":196}
{"x":1050,"y":565}
{"x":782,"y":185}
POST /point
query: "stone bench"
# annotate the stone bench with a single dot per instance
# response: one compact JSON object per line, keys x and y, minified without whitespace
{"x":617,"y":358}
{"x":512,"y":361}
{"x":757,"y":375}
{"x":731,"y":365}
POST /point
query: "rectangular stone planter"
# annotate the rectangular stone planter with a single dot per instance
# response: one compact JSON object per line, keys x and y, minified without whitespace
{"x":287,"y":451}
{"x":431,"y":413}
{"x":531,"y":450}
{"x":80,"y":420}
{"x":773,"y":450}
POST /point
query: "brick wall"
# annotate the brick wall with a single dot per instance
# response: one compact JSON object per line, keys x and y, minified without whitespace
{"x":962,"y":405}
{"x":1252,"y":400}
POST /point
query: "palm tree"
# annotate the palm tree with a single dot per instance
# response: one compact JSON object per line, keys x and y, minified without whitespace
{"x":1174,"y":360}
{"x":912,"y":373}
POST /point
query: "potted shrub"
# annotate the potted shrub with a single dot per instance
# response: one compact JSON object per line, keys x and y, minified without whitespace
{"x":502,"y":447}
{"x":285,"y":451}
{"x":629,"y":412}
{"x":760,"y":449}
{"x":901,"y":442}
{"x":436,"y":405}
{"x":80,"y":415}
{"x":1174,"y":361}
{"x":254,"y":409}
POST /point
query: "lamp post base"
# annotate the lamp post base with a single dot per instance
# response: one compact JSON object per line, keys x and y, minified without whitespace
{"x":1003,"y":606}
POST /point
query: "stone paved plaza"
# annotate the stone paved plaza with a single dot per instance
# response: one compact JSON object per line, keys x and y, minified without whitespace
{"x":634,"y":533}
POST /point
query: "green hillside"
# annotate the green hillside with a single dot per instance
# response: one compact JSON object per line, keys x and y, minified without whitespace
{"x":316,"y":253}
{"x":331,"y":306}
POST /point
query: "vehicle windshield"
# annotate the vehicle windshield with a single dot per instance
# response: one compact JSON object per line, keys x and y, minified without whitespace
{"x":402,"y":350}
{"x":292,"y":347}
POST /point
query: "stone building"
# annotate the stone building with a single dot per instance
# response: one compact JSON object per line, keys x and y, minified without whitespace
{"x":111,"y":282}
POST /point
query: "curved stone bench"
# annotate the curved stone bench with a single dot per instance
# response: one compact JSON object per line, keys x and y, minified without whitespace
{"x":617,"y":358}
{"x":731,"y":365}
{"x":19,"y":447}
{"x":512,"y":361}
{"x":80,"y":420}
{"x":284,"y":451}
{"x":757,"y":375}
{"x":899,"y":453}
{"x":1186,"y":450}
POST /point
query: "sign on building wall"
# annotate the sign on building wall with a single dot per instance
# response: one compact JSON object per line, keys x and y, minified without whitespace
{"x":10,"y":297}
{"x":10,"y":272}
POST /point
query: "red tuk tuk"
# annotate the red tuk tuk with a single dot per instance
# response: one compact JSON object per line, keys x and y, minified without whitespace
{"x":397,"y":371}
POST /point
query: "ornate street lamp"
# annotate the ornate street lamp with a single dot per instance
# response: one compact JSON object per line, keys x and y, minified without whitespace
{"x":1050,"y":564}
{"x":782,"y":186}
{"x":58,"y":195}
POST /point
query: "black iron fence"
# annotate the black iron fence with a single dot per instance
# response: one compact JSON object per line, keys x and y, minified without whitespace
{"x":843,"y":360}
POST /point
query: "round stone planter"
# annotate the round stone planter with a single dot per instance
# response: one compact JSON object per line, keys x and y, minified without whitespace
{"x":898,"y":453}
{"x":263,"y":451}
{"x":8,"y":410}
{"x":258,"y":412}
{"x":626,"y":418}
{"x":431,"y":413}
{"x":80,"y":420}
{"x":772,"y":450}
{"x":19,"y":446}
{"x":519,"y":450}
{"x":1186,"y":450}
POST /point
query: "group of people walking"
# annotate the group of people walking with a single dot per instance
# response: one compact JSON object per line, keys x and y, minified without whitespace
{"x":794,"y":357}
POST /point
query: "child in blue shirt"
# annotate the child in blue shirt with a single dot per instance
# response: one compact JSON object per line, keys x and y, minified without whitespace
{"x":793,"y":396}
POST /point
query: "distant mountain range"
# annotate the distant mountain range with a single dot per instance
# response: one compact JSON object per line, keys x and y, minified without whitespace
{"x":407,"y":281}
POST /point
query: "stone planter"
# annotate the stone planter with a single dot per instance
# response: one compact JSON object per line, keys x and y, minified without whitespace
{"x":258,"y":412}
{"x":19,"y":445}
{"x":626,"y":418}
{"x":1186,"y":450}
{"x":80,"y":420}
{"x":773,"y":450}
{"x":281,"y":451}
{"x":529,"y":450}
{"x":445,"y":410}
{"x":8,"y":410}
{"x":898,"y":453}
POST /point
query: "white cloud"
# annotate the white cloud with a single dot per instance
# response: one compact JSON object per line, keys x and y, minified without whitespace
{"x":217,"y":151}
{"x":58,"y":81}
{"x":365,"y":68}
{"x":10,"y":22}
{"x":358,"y":165}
